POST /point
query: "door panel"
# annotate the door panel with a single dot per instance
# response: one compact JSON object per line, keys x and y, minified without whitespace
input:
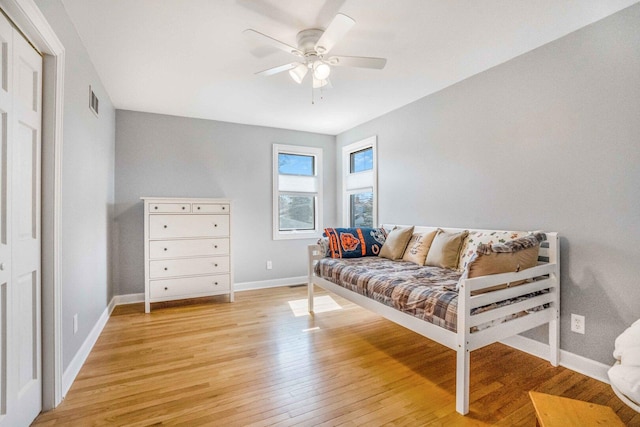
{"x":4,"y":175}
{"x":25,"y":240}
{"x":3,"y":349}
{"x":6,"y":106}
{"x":20,"y":243}
{"x":26,"y":184}
{"x":26,"y":288}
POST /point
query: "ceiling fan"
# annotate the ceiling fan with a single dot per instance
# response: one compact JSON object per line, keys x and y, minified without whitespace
{"x":313,"y":47}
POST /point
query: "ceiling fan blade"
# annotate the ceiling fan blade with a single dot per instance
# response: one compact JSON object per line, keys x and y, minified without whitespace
{"x":263,"y":38}
{"x":358,"y":61}
{"x":337,"y":29}
{"x":278,"y":69}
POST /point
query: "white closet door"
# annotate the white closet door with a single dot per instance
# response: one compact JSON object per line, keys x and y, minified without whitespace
{"x":6,"y":110}
{"x":21,"y":369}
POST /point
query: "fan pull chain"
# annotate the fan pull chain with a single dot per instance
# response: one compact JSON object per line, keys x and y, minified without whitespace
{"x":312,"y":94}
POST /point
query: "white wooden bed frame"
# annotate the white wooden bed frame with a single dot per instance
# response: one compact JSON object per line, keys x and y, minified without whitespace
{"x":463,"y":342}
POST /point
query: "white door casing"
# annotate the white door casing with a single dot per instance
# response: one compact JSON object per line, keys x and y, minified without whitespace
{"x":21,"y":399}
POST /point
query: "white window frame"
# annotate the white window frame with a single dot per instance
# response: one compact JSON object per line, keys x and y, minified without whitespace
{"x":359,"y":182}
{"x":317,"y":178}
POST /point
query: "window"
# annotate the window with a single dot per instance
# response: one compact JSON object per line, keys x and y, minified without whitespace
{"x":359,"y":184}
{"x":297,"y":192}
{"x":361,"y":160}
{"x":361,"y":209}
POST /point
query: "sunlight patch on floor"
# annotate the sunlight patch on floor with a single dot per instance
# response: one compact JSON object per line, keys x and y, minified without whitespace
{"x":320,"y":305}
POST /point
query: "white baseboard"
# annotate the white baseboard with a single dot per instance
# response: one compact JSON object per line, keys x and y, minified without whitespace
{"x":274,"y":283}
{"x":588,"y":367}
{"x":127,"y":299}
{"x":70,"y":374}
{"x":237,"y":287}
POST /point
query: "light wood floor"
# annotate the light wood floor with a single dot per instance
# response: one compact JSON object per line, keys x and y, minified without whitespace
{"x":254,"y":363}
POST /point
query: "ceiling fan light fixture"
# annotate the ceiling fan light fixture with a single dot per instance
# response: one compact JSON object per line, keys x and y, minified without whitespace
{"x":317,"y":84}
{"x":298,"y":72}
{"x":321,"y":70}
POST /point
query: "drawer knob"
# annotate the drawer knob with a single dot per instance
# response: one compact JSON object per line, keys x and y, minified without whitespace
{"x":215,"y":283}
{"x":183,"y":208}
{"x":215,"y":246}
{"x":165,"y":249}
{"x":223,"y":208}
{"x":165,"y":269}
{"x":215,"y":225}
{"x":215,"y":265}
{"x":166,"y":289}
{"x":198,"y":207}
{"x":155,"y":207}
{"x":165,"y":226}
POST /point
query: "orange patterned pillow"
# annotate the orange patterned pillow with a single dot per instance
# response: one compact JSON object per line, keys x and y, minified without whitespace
{"x":355,"y":242}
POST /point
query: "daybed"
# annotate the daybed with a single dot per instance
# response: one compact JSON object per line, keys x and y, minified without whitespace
{"x":445,"y":305}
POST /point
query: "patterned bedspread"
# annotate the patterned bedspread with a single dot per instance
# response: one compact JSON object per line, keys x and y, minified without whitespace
{"x":424,"y":292}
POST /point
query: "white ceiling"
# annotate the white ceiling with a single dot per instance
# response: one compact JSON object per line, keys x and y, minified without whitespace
{"x":190,"y":58}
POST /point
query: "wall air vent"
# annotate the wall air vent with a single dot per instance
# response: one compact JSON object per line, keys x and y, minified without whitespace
{"x":93,"y":102}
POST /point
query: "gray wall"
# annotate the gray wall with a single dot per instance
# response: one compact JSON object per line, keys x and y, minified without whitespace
{"x":87,"y":188}
{"x":549,"y":140}
{"x":159,"y":155}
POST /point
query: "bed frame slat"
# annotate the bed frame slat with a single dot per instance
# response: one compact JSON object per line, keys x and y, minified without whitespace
{"x":499,"y":332}
{"x":497,"y":313}
{"x":508,"y":293}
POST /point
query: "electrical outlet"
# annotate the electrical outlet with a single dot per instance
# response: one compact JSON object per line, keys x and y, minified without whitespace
{"x":577,"y":323}
{"x":269,"y":265}
{"x":75,"y":323}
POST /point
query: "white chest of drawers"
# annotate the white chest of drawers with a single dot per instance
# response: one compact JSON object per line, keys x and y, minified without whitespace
{"x":187,"y":249}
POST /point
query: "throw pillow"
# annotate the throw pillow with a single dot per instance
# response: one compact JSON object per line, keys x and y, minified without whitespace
{"x":513,"y":256}
{"x":487,"y":237}
{"x":445,"y":249}
{"x":355,"y":242}
{"x":418,"y":247}
{"x":396,"y":243}
{"x":323,"y":242}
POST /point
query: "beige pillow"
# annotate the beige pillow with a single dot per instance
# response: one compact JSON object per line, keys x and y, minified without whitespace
{"x":445,"y":249}
{"x":497,"y":263}
{"x":396,"y":243}
{"x":418,"y":247}
{"x":514,"y":256}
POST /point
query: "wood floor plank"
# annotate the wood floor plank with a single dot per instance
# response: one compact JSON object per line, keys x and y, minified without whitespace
{"x":253,"y":362}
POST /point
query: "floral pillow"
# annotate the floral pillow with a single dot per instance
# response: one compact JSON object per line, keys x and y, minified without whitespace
{"x":512,"y":256}
{"x":490,"y":238}
{"x":355,"y":242}
{"x":323,"y":242}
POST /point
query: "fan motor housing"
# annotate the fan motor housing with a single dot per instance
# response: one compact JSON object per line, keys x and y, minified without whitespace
{"x":307,"y":40}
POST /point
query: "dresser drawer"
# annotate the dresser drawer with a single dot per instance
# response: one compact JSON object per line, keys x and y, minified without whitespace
{"x":169,"y":207}
{"x":210,"y":208}
{"x":189,"y":286}
{"x":188,"y":266}
{"x":187,"y":248}
{"x":176,"y":226}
